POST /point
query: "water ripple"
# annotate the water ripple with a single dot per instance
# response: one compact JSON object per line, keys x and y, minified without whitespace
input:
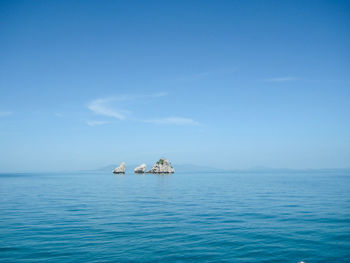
{"x":226,"y":217}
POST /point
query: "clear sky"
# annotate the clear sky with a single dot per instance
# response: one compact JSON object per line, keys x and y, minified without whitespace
{"x":235,"y":84}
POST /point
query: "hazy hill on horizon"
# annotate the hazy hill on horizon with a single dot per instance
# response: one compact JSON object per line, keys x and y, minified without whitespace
{"x":178,"y":168}
{"x":258,"y":169}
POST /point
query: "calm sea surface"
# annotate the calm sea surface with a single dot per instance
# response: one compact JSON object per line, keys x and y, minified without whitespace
{"x":185,"y":217}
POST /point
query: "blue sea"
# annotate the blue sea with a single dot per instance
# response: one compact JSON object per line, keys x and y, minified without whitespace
{"x":184,"y":217}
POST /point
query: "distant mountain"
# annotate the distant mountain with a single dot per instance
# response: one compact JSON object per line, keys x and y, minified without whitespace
{"x":178,"y":168}
{"x":111,"y":167}
{"x":197,"y":168}
{"x":208,"y":169}
{"x":289,"y":170}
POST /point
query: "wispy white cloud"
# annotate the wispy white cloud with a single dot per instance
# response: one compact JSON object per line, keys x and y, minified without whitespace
{"x":5,"y":113}
{"x":156,"y":95}
{"x":106,"y":107}
{"x":96,"y":123}
{"x":57,"y":114}
{"x":205,"y":74}
{"x":103,"y":107}
{"x":281,"y":79}
{"x":173,"y":120}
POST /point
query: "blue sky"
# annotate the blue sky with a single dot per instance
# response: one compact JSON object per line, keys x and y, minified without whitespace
{"x":235,"y":84}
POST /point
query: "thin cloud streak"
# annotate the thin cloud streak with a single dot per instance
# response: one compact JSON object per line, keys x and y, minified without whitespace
{"x":5,"y":113}
{"x":172,"y":120}
{"x":131,"y":97}
{"x":157,"y":95}
{"x":102,"y":107}
{"x":205,"y":74}
{"x":96,"y":123}
{"x":281,"y":79}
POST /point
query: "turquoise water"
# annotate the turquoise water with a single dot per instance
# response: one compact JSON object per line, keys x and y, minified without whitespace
{"x":185,"y":217}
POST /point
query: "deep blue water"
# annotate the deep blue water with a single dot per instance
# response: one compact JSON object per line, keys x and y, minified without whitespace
{"x":184,"y":217}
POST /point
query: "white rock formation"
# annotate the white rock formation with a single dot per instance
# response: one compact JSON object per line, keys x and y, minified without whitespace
{"x":163,"y":166}
{"x":120,"y":169}
{"x":140,"y":169}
